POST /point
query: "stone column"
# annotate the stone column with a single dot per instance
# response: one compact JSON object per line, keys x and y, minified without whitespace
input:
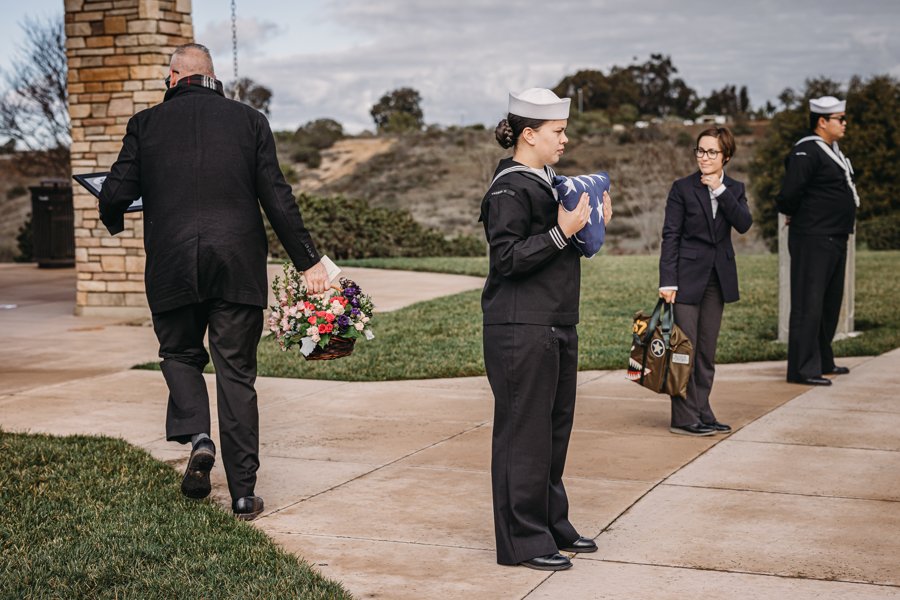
{"x":118,"y":54}
{"x":848,"y":306}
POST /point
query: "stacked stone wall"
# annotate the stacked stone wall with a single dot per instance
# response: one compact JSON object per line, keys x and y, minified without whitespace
{"x":118,"y":55}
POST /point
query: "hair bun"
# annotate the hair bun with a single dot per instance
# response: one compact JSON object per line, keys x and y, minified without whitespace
{"x":504,"y":134}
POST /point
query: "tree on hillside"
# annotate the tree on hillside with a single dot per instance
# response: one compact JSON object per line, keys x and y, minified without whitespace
{"x":728,"y":101}
{"x":398,"y":111}
{"x":33,"y":98}
{"x":872,"y":143}
{"x":650,"y":88}
{"x":251,"y":93}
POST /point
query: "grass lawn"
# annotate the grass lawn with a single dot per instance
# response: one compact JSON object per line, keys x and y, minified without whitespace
{"x":93,"y":517}
{"x":442,"y":337}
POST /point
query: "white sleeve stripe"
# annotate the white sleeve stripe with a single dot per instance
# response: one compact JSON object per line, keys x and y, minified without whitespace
{"x":558,"y":238}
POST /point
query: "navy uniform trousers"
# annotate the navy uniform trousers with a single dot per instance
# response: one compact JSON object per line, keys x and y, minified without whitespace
{"x":234,"y":333}
{"x":533,"y":372}
{"x":817,"y":290}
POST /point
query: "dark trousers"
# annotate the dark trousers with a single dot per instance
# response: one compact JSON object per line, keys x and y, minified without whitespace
{"x":533,"y":373}
{"x":700,"y":323}
{"x":817,"y":290}
{"x":234,"y":332}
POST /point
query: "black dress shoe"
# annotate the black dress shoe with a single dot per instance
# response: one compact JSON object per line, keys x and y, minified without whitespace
{"x":551,"y":562}
{"x":811,"y":381}
{"x":248,"y":507}
{"x":697,"y":429}
{"x":839,"y":371}
{"x":195,"y":483}
{"x":718,"y":427}
{"x":582,"y":544}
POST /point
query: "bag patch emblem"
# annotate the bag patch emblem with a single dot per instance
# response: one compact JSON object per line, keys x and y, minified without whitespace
{"x":681,"y":359}
{"x":657,"y":348}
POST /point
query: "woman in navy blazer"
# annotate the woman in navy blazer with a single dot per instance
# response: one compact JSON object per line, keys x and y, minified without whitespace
{"x":696,"y":264}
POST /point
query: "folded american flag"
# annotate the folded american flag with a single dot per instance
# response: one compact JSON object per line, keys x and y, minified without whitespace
{"x":569,"y":190}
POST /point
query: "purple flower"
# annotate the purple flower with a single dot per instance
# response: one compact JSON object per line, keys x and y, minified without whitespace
{"x":354,"y":311}
{"x":350,"y":292}
{"x":343,"y":322}
{"x":354,"y":302}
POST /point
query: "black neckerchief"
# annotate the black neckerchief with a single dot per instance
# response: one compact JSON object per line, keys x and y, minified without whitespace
{"x":195,"y":81}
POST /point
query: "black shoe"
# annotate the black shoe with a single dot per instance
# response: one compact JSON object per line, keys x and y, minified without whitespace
{"x":718,"y":427}
{"x":195,"y":483}
{"x":697,"y":429}
{"x":811,"y":381}
{"x":839,"y":371}
{"x":551,"y":562}
{"x":247,"y":508}
{"x":582,"y":544}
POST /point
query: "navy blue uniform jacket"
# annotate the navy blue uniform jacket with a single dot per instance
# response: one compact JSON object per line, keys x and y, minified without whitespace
{"x":204,"y":164}
{"x":693,"y":242}
{"x":535,"y":274}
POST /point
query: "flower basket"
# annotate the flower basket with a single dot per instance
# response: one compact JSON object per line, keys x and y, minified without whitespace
{"x":336,"y":348}
{"x":325,"y":326}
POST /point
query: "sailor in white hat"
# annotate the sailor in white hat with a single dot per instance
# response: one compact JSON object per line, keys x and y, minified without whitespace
{"x":530,"y":306}
{"x":819,"y":198}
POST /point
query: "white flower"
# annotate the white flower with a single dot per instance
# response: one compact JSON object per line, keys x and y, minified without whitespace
{"x":312,"y":331}
{"x":359,"y":326}
{"x":365,"y":319}
{"x":316,"y":338}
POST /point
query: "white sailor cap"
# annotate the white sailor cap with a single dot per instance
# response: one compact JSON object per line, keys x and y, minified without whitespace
{"x":539,"y":103}
{"x":827,"y":105}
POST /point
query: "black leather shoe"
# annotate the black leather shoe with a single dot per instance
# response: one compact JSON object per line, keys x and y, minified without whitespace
{"x":247,"y":508}
{"x":195,"y":483}
{"x":582,"y":544}
{"x":812,"y":381}
{"x":718,"y":427}
{"x":551,"y":562}
{"x":696,"y":429}
{"x":839,"y":371}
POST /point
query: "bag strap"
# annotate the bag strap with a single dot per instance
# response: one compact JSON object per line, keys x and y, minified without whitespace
{"x":653,"y":321}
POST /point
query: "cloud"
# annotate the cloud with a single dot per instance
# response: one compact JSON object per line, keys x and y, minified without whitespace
{"x":465,"y":55}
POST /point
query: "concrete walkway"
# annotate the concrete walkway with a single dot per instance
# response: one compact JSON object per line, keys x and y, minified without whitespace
{"x":386,"y":486}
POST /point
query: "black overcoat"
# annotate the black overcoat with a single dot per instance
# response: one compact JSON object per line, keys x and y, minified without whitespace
{"x":693,"y":241}
{"x":204,"y":165}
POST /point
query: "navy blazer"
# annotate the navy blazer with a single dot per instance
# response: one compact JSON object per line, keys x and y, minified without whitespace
{"x":693,"y":242}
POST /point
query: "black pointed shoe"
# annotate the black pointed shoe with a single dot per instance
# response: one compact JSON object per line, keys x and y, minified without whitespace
{"x":582,"y":544}
{"x":811,"y":381}
{"x":718,"y":427}
{"x":839,"y":371}
{"x":248,"y":507}
{"x":550,"y":562}
{"x":195,"y":483}
{"x":697,"y":429}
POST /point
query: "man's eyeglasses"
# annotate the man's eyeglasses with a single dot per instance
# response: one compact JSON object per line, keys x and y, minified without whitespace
{"x":168,"y":78}
{"x":712,"y":154}
{"x":842,"y":118}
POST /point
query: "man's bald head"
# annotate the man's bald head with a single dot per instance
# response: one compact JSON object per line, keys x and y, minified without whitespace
{"x":191,"y":59}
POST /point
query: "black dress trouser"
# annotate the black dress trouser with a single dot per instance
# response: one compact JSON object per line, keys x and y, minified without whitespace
{"x":234,"y":333}
{"x":700,"y":323}
{"x":817,"y":290}
{"x":533,"y":372}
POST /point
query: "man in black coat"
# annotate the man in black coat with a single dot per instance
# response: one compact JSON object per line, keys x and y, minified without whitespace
{"x":204,"y":165}
{"x":819,"y":198}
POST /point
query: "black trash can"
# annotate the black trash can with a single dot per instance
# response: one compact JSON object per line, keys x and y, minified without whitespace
{"x":53,"y":224}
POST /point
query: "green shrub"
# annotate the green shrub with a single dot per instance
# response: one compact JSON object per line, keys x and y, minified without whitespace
{"x":309,"y":155}
{"x":16,"y":191}
{"x":349,"y":228}
{"x":881,"y":232}
{"x":24,"y":241}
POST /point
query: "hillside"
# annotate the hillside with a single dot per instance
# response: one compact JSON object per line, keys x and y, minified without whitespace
{"x":440,"y":175}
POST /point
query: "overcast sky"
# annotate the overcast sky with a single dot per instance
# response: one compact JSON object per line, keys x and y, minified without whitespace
{"x":336,"y":58}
